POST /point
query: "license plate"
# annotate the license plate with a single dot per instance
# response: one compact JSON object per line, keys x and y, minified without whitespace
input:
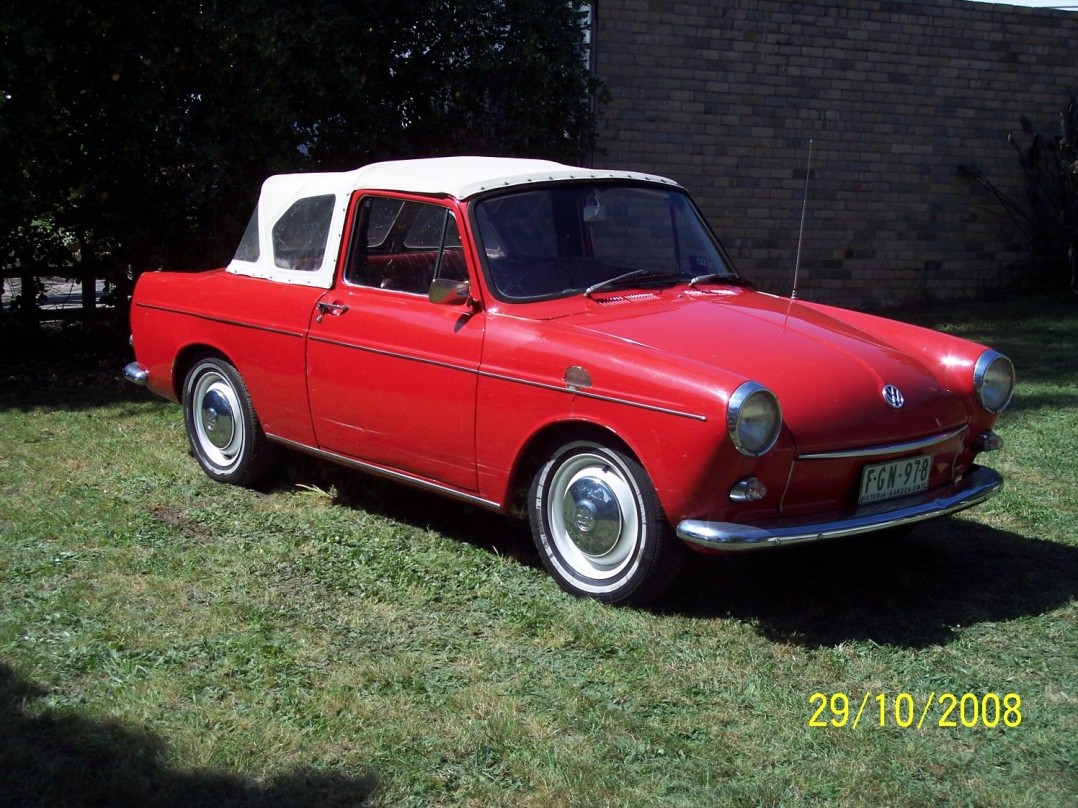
{"x":897,"y":478}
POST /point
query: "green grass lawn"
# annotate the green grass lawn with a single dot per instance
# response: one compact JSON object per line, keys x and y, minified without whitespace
{"x":337,"y":640}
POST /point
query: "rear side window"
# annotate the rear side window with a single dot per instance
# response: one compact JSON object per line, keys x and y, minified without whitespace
{"x":248,"y":249}
{"x":299,"y":236}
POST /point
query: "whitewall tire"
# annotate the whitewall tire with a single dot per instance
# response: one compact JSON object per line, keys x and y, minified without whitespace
{"x":599,"y":527}
{"x":225,"y":435}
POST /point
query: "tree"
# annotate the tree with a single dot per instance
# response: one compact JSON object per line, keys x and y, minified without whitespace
{"x":138,"y":134}
{"x":1048,"y":217}
{"x":1068,"y":155}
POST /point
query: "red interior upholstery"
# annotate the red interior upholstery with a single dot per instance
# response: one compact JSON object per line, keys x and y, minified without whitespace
{"x":412,"y":271}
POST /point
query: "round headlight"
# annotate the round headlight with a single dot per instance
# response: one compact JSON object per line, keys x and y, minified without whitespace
{"x":993,"y":379}
{"x":753,"y":418}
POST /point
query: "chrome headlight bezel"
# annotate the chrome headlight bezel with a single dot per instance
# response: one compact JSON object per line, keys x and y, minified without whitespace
{"x":753,"y":419}
{"x":993,"y":381}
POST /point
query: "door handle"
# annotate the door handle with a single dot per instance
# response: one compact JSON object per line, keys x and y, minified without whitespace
{"x":336,"y":309}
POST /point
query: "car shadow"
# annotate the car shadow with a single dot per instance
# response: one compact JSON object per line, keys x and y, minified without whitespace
{"x":915,"y":591}
{"x":58,"y":757}
{"x":366,"y":492}
{"x":911,"y":592}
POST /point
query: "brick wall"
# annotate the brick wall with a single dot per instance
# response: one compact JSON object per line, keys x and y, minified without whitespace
{"x":724,"y":97}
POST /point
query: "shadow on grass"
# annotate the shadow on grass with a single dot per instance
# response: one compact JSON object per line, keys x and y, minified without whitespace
{"x":60,"y":758}
{"x":461,"y":522}
{"x":1026,"y":403}
{"x":912,"y":592}
{"x":909,"y":592}
{"x":1037,"y":330}
{"x":73,"y":369}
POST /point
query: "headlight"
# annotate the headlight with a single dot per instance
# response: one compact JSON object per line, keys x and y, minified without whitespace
{"x":754,"y":419}
{"x":993,"y":379}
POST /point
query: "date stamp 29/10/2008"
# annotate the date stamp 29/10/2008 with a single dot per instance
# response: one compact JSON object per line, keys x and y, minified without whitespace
{"x":904,"y":710}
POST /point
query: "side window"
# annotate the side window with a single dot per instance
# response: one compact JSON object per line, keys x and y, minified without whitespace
{"x":452,"y":264}
{"x":425,"y":231}
{"x":381,"y":214}
{"x":248,"y":249}
{"x":404,"y":246}
{"x":299,"y":236}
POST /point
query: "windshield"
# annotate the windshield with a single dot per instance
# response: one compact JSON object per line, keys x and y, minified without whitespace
{"x":569,"y":239}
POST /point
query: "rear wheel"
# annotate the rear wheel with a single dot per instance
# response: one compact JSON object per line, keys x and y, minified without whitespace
{"x":599,"y":527}
{"x":222,"y":427}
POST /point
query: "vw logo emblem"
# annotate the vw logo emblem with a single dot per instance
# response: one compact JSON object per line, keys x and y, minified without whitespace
{"x":893,"y":396}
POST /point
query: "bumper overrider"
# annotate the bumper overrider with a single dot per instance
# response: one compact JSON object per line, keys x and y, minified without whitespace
{"x":136,"y":374}
{"x":980,"y":484}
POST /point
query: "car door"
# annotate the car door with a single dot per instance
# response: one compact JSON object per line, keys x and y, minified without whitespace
{"x":392,"y":377}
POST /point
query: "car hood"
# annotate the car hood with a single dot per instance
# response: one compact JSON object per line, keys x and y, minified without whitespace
{"x":828,"y":375}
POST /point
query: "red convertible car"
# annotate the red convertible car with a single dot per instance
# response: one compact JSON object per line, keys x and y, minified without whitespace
{"x":569,"y":345}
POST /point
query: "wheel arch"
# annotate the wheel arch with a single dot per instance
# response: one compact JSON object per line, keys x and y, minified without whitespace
{"x":187,"y":358}
{"x":543,"y":443}
{"x":596,"y":518}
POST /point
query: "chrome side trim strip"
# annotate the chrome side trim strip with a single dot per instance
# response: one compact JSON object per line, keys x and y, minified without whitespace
{"x":980,"y":484}
{"x":499,"y":377}
{"x":391,"y":474}
{"x":597,"y":396}
{"x":221,"y":320}
{"x":392,"y":354}
{"x":885,"y":449}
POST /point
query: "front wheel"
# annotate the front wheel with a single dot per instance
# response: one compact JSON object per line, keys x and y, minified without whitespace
{"x":599,"y":527}
{"x":222,"y":427}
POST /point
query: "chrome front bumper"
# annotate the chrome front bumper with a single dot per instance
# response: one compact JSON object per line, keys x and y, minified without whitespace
{"x":980,"y":484}
{"x":136,"y":374}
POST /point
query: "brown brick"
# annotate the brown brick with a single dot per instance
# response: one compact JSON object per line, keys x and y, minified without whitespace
{"x":724,"y":97}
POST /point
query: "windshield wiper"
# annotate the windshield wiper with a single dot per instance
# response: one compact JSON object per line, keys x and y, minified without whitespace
{"x":722,"y":277}
{"x":632,"y":279}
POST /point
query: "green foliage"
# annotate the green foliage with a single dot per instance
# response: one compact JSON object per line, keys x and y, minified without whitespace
{"x":1052,"y":187}
{"x":1068,"y":155}
{"x":1048,"y":217}
{"x":140,"y":132}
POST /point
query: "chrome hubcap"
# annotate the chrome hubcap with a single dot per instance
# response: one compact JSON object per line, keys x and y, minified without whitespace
{"x":217,"y":419}
{"x":595,"y":520}
{"x":218,"y":429}
{"x":592,"y":516}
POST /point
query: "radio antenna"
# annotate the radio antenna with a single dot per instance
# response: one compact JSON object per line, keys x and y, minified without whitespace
{"x":801,"y":233}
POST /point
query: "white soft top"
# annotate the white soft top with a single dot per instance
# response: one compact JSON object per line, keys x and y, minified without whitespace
{"x":457,"y":177}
